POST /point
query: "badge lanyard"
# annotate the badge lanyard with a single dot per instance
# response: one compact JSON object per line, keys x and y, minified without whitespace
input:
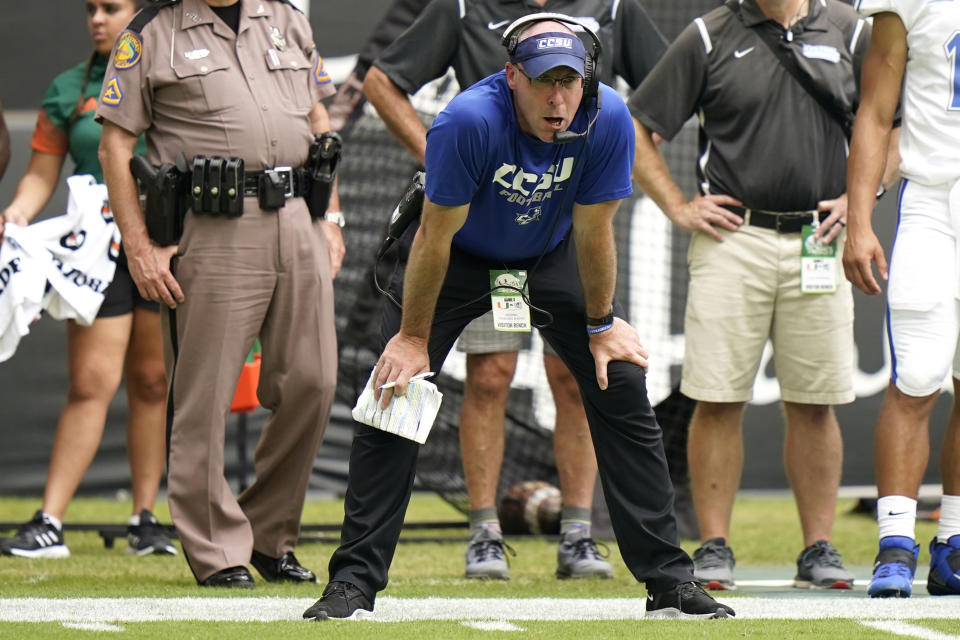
{"x":818,"y":262}
{"x":510,"y":310}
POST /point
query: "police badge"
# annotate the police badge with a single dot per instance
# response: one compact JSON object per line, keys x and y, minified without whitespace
{"x":279,"y":42}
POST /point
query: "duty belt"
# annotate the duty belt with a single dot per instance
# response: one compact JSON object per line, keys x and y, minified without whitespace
{"x":781,"y":222}
{"x":292,"y":178}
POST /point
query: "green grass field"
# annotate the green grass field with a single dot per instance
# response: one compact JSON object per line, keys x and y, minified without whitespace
{"x":765,"y":538}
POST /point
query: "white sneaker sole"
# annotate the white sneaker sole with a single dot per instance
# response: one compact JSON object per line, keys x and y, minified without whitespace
{"x":56,"y":551}
{"x":675,"y":614}
{"x":836,"y":584}
{"x":359,"y":614}
{"x":169,"y":550}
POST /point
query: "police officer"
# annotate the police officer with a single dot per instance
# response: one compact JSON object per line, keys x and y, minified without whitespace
{"x":232,"y":79}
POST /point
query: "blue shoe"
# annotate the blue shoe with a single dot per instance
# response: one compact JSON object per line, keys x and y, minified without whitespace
{"x":894,"y":568}
{"x":944,"y":578}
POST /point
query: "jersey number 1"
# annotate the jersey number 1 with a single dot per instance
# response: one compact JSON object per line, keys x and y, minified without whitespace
{"x":952,"y":47}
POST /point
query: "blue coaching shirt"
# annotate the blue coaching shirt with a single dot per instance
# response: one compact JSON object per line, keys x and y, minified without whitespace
{"x":516,"y":184}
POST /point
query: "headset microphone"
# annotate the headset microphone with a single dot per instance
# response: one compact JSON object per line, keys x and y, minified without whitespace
{"x":566,"y":137}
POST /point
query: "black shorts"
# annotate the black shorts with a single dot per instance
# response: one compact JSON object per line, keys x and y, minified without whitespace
{"x":122,"y":296}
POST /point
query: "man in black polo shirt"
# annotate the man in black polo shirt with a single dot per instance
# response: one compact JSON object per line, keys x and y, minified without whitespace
{"x":465,"y":35}
{"x":760,"y":269}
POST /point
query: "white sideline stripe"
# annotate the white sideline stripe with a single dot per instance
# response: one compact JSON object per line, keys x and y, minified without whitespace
{"x":116,"y":610}
{"x":92,"y":626}
{"x":905,"y":629}
{"x":492,"y":625}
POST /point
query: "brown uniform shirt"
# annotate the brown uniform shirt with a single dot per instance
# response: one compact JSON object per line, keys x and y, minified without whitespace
{"x":195,"y":86}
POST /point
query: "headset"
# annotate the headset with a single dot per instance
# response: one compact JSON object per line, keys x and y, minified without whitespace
{"x":591,"y":79}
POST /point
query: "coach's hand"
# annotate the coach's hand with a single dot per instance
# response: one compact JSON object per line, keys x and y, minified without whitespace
{"x":620,"y":342}
{"x":706,"y":213}
{"x":403,"y":358}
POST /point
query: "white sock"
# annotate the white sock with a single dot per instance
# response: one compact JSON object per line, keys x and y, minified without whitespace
{"x":897,"y":516}
{"x":135,"y":520}
{"x":949,"y":518}
{"x":49,"y":519}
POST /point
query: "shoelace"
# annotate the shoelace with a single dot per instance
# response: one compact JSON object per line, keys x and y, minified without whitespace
{"x":826,"y":555}
{"x":690,"y":589}
{"x":893,"y":569}
{"x":493,"y":549}
{"x":32,"y":529}
{"x":587,"y":549}
{"x":711,"y":557}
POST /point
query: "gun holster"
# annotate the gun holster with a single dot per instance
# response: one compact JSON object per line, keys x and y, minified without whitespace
{"x":166,"y":190}
{"x":320,"y":170}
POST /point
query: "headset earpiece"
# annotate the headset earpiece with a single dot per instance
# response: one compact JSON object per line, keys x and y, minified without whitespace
{"x":591,"y":87}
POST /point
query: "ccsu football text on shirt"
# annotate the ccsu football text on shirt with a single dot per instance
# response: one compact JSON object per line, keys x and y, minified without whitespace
{"x":525,"y":188}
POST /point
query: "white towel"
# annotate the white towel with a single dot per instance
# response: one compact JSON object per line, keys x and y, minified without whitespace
{"x":63,"y":264}
{"x":24,"y":264}
{"x":82,"y":246}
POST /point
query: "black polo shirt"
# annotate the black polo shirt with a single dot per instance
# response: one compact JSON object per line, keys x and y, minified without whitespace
{"x":763,"y":138}
{"x":465,"y":35}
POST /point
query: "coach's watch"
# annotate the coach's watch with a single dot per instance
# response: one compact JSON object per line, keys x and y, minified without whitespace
{"x":336,"y":217}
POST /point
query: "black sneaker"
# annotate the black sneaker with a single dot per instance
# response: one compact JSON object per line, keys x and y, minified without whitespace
{"x":341,"y":600}
{"x":38,"y":538}
{"x":688,"y":601}
{"x":149,"y":537}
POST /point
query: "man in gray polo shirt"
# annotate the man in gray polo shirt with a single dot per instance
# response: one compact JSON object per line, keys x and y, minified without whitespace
{"x":768,"y":150}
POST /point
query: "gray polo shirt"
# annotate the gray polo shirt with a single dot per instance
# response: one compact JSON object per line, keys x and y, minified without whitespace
{"x":465,"y":35}
{"x":763,"y":139}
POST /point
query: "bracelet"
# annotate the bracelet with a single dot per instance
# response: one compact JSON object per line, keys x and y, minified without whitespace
{"x":600,"y":329}
{"x":601,"y":320}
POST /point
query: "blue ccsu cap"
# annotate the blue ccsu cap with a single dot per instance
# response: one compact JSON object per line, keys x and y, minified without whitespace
{"x":546,"y":51}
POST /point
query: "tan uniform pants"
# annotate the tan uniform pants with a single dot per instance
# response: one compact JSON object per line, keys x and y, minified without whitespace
{"x":265,"y":274}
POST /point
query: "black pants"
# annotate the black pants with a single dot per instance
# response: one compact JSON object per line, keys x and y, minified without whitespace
{"x":627,"y":439}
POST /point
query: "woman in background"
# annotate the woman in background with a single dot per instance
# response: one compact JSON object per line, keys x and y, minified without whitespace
{"x":125,"y":338}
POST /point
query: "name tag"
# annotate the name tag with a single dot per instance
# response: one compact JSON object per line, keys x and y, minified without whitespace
{"x":196,"y":54}
{"x":510,"y":311}
{"x":818,"y":263}
{"x":821,"y":52}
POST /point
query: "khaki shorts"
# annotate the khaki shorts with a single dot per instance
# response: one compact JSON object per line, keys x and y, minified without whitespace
{"x":481,"y":337}
{"x":747,"y":289}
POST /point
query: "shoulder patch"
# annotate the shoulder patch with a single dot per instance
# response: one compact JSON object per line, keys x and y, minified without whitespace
{"x":320,"y":75}
{"x":290,"y":3}
{"x":148,"y":13}
{"x":128,"y":51}
{"x":111,"y":93}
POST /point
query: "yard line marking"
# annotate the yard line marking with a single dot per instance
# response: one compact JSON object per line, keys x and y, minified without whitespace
{"x":849,"y":605}
{"x":492,"y":625}
{"x":905,"y":629}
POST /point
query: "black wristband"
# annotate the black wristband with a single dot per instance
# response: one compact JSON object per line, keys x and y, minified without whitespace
{"x":596,"y":322}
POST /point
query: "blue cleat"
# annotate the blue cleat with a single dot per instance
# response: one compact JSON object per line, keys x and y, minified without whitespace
{"x":944,"y":578}
{"x":894,"y":568}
